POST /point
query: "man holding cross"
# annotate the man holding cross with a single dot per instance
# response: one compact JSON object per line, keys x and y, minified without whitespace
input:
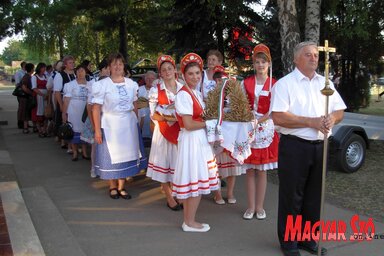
{"x":298,"y":109}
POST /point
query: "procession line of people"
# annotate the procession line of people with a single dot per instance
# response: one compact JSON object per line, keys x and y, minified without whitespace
{"x":103,"y":111}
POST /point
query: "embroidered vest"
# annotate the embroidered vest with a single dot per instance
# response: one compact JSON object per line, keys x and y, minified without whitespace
{"x":265,"y":95}
{"x":197,"y":109}
{"x":66,"y":78}
{"x":171,"y":133}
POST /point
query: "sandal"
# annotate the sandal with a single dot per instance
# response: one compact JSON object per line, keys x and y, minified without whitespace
{"x":124,"y":195}
{"x":25,"y":131}
{"x":114,"y":195}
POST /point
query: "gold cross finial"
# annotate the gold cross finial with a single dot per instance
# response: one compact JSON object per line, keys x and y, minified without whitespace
{"x":325,"y":48}
{"x":327,"y":90}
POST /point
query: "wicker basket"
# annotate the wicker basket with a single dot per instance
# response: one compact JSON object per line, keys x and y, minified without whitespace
{"x":142,"y":103}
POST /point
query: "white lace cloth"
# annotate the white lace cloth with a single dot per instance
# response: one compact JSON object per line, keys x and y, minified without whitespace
{"x":264,"y":134}
{"x":213,"y":131}
{"x":236,"y":137}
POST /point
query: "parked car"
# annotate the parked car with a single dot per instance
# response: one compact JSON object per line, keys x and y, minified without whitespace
{"x":348,"y":146}
{"x":142,"y":66}
{"x":380,"y":81}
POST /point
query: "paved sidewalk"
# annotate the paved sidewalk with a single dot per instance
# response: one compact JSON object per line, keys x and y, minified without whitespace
{"x":73,"y":215}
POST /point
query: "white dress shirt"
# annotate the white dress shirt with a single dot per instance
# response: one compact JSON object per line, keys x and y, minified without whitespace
{"x":297,"y":94}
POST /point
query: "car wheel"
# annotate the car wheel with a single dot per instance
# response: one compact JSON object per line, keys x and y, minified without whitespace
{"x":352,"y":155}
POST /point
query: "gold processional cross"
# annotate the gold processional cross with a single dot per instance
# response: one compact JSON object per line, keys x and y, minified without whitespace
{"x":326,"y":91}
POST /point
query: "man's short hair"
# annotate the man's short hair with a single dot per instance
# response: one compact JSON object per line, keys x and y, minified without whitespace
{"x":67,"y":58}
{"x":301,"y":45}
{"x":150,"y":72}
{"x":29,"y":67}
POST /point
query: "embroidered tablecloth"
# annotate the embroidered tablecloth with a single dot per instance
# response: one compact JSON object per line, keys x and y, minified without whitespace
{"x":236,"y":137}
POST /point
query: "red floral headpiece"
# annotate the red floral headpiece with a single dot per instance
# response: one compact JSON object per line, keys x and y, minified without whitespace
{"x":189,"y":58}
{"x":165,"y":58}
{"x":220,"y":69}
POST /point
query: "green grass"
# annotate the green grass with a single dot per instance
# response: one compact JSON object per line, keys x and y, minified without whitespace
{"x":376,"y":107}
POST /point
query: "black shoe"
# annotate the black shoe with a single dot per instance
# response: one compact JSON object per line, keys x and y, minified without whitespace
{"x":114,"y":195}
{"x":125,"y":196}
{"x":290,"y":252}
{"x":74,"y":159}
{"x":177,"y":207}
{"x":312,"y":249}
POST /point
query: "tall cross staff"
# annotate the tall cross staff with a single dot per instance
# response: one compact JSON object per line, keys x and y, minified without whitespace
{"x":326,"y":91}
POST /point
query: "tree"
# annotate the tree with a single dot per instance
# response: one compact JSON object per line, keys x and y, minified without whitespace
{"x":126,"y":18}
{"x":11,"y":19}
{"x":18,"y":50}
{"x":269,"y":33}
{"x":44,"y":23}
{"x":192,"y":28}
{"x":289,"y":32}
{"x":202,"y":25}
{"x":241,"y":24}
{"x":312,"y":21}
{"x":14,"y":51}
{"x":355,"y":28}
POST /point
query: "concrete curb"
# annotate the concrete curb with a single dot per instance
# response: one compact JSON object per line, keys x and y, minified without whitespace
{"x":22,"y":233}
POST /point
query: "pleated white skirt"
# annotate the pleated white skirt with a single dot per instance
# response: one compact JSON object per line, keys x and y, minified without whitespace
{"x":196,"y":170}
{"x":228,"y":166}
{"x":162,"y":158}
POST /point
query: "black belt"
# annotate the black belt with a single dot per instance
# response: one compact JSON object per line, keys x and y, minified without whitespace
{"x":293,"y":137}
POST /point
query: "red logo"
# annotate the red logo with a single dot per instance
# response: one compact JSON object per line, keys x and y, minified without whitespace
{"x":332,"y":230}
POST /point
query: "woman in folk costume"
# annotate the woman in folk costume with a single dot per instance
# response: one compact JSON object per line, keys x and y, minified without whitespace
{"x":162,"y":158}
{"x":119,"y":150}
{"x":88,"y":133}
{"x":214,"y":58}
{"x":228,"y":167}
{"x":196,"y":170}
{"x":74,"y":102}
{"x":265,"y":147}
{"x":39,"y":87}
